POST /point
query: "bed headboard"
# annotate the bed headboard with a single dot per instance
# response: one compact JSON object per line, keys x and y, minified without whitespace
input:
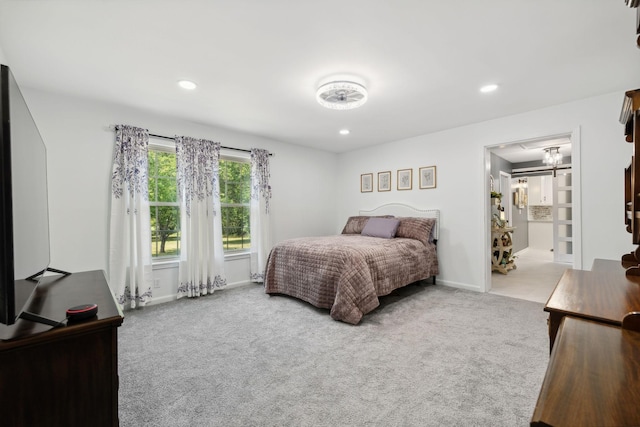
{"x":400,"y":209}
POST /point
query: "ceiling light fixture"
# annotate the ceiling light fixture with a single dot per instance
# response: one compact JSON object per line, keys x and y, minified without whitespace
{"x":488,"y":88}
{"x":341,"y":95}
{"x":344,"y":132}
{"x":552,"y":157}
{"x":186,"y":84}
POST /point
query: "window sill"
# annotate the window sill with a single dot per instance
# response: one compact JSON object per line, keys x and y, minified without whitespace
{"x":159,"y":264}
{"x":237,"y":255}
{"x":165,"y":263}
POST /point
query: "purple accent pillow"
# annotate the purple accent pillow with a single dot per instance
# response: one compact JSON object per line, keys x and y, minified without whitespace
{"x":355,"y":224}
{"x":381,"y":227}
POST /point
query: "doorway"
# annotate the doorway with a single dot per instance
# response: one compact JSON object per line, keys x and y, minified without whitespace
{"x":536,"y":271}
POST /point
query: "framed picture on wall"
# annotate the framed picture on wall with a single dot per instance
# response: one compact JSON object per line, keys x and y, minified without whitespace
{"x":405,"y":179}
{"x":384,"y":181}
{"x":428,"y":177}
{"x":366,"y":183}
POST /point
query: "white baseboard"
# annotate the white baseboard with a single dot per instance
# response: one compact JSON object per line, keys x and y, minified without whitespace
{"x":466,"y":286}
{"x":174,"y":297}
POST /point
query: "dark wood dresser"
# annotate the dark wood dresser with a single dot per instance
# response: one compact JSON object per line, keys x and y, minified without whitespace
{"x":592,"y":377}
{"x":68,"y":375}
{"x":604,"y":294}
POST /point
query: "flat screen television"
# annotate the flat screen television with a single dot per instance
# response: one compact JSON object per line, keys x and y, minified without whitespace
{"x":24,"y":214}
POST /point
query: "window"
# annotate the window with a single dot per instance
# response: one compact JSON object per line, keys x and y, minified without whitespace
{"x":235,"y":194}
{"x":164,"y":206}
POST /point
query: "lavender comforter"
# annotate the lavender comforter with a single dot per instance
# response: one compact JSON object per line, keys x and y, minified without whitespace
{"x":347,"y":273}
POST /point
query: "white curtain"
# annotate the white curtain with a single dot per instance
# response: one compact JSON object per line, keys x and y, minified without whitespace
{"x":260,"y":229}
{"x":201,"y":268}
{"x":130,"y":268}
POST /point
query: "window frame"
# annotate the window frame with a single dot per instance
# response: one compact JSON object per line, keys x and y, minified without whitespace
{"x":171,"y":148}
{"x":163,"y":148}
{"x":238,"y":159}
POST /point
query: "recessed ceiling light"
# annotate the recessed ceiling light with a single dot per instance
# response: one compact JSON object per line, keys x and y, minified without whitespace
{"x":488,"y":88}
{"x":186,"y":84}
{"x":344,"y":132}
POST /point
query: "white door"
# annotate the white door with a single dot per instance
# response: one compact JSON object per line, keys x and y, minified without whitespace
{"x":562,"y":217}
{"x":507,"y":199}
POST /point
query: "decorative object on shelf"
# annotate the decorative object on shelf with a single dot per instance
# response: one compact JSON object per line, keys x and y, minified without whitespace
{"x":496,"y":197}
{"x":342,"y":95}
{"x":552,"y":157}
{"x":405,"y":179}
{"x":366,"y":183}
{"x":502,"y":257}
{"x":630,"y":118}
{"x":636,"y":4}
{"x":384,"y":181}
{"x":427,"y":177}
{"x":520,"y":194}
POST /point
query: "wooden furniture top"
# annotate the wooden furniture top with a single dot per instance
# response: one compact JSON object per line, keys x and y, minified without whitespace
{"x":53,"y":296}
{"x":592,"y":377}
{"x":607,"y":265}
{"x":604,"y":293}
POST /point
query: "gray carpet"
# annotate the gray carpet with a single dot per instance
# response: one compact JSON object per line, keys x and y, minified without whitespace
{"x":428,"y":356}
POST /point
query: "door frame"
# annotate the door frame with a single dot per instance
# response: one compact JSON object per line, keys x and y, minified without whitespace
{"x":576,"y":202}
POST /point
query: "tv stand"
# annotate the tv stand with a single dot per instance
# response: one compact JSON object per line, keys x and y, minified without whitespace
{"x":41,"y":272}
{"x":65,"y":376}
{"x":40,"y":319}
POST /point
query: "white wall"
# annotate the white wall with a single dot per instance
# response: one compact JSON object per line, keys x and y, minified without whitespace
{"x":3,"y":59}
{"x":315,"y":191}
{"x":461,"y":181}
{"x":80,"y":148}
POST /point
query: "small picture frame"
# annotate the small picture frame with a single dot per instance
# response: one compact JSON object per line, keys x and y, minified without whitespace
{"x":405,"y":179}
{"x":384,"y":181}
{"x":427,"y":177}
{"x":366,"y":183}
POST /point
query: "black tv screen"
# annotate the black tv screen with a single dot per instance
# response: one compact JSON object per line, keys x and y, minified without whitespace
{"x":24,"y":218}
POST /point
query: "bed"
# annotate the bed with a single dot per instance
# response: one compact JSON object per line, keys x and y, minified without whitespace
{"x":346,"y":273}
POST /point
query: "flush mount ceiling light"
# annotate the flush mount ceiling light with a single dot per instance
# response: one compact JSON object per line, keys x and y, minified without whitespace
{"x":187,"y":84}
{"x":344,"y":132}
{"x":341,"y":95}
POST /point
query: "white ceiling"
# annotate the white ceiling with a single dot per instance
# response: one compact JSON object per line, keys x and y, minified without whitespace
{"x":533,"y":150}
{"x":258,"y":63}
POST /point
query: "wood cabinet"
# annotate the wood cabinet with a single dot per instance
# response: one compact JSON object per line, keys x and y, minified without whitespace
{"x":65,"y":376}
{"x":630,"y":118}
{"x":603,"y":294}
{"x":591,"y":378}
{"x":540,"y":190}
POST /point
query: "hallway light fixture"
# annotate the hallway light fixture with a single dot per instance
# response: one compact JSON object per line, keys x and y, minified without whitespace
{"x":341,"y":95}
{"x":520,"y":193}
{"x":552,"y":157}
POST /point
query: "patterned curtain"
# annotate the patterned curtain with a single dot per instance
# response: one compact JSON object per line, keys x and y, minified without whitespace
{"x":130,"y":269}
{"x":201,"y":255}
{"x":260,"y":229}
